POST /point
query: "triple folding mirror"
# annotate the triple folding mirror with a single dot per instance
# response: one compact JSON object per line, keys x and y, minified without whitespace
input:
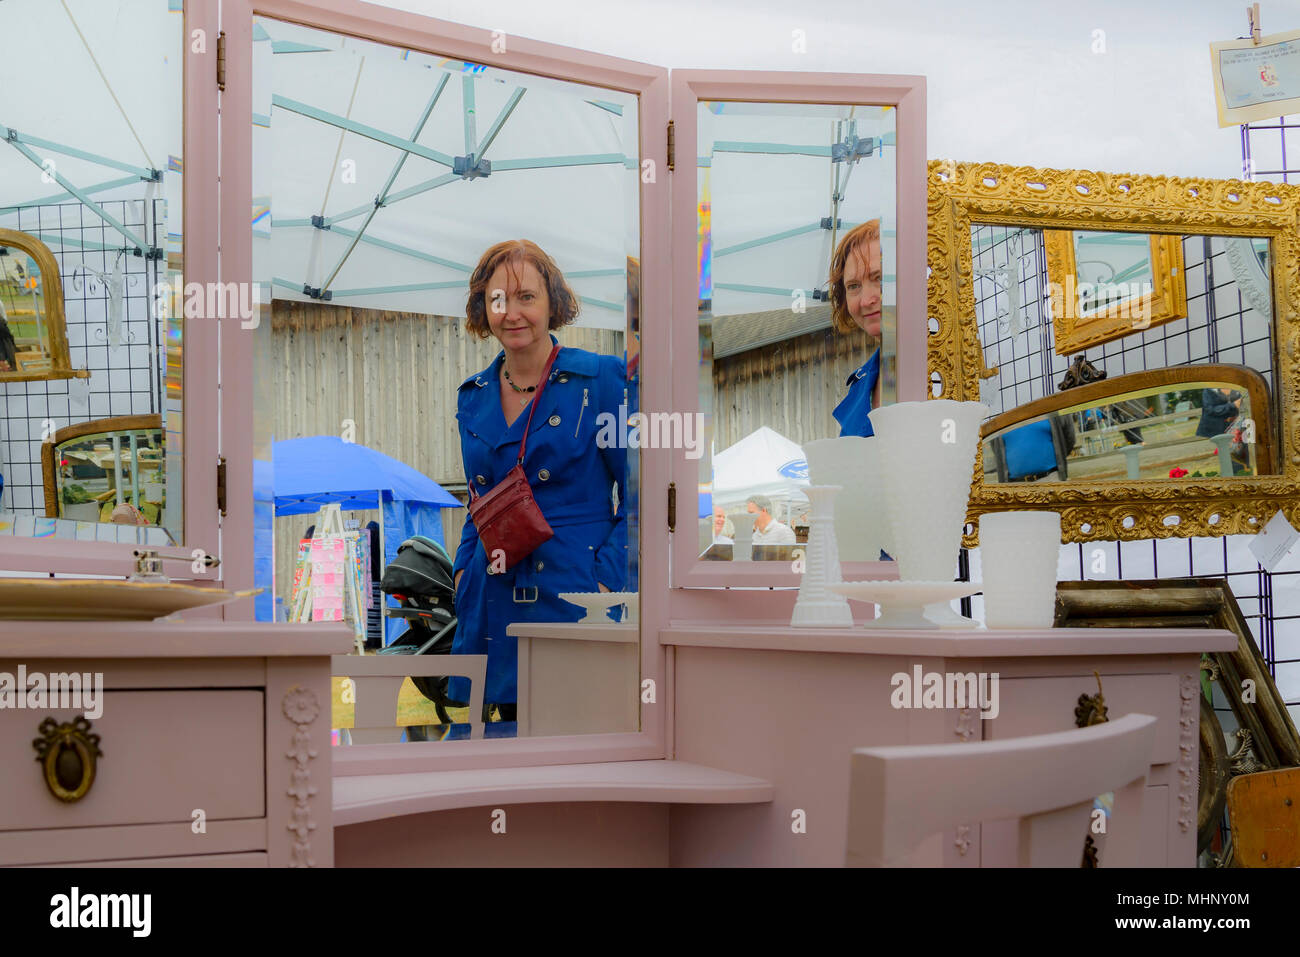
{"x":422,"y":227}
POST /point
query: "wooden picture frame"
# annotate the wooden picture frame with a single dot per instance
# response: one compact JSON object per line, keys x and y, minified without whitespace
{"x":1267,"y":737}
{"x":59,"y":360}
{"x":49,"y":449}
{"x":1095,"y":393}
{"x":1166,"y":301}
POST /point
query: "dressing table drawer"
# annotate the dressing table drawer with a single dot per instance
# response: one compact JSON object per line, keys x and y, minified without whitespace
{"x":1032,"y":706}
{"x":163,"y":755}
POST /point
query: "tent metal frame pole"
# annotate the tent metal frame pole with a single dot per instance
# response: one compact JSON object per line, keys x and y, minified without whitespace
{"x":369,"y":132}
{"x":62,"y":197}
{"x":85,"y":199}
{"x":388,"y":184}
{"x":14,"y":137}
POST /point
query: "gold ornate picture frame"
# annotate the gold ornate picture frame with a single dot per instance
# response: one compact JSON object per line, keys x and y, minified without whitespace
{"x":964,"y":193}
{"x":47,"y":317}
{"x":1075,"y":330}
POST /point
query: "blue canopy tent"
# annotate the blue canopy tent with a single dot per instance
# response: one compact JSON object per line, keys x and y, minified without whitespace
{"x":323,"y":469}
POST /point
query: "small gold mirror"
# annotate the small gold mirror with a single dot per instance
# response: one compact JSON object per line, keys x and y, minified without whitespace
{"x":33,"y":340}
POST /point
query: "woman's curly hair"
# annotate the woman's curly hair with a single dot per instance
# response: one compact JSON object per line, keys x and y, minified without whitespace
{"x":514,"y":253}
{"x":855,"y":238}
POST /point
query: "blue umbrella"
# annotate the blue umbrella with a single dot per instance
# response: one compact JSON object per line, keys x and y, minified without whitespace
{"x":323,"y":469}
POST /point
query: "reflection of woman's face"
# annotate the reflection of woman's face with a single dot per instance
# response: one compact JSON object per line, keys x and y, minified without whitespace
{"x":719,"y":519}
{"x":862,"y":291}
{"x":518,"y":313}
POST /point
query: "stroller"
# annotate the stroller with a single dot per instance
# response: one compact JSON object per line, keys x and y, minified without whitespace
{"x":420,"y":578}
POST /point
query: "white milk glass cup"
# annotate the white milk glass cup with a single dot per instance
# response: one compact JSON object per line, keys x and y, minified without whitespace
{"x":1018,"y":558}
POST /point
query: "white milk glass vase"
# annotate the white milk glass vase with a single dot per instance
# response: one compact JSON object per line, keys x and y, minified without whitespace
{"x":818,"y":606}
{"x":927,"y":462}
{"x":852,"y":463}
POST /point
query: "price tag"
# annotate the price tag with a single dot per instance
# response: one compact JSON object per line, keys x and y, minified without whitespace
{"x":1272,"y":544}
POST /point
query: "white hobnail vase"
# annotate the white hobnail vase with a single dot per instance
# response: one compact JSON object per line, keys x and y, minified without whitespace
{"x":851,"y":462}
{"x":927,"y":456}
{"x":1019,"y":553}
{"x":818,"y":606}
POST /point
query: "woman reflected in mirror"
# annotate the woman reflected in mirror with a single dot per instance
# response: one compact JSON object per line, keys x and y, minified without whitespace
{"x":574,"y":461}
{"x":856,"y":302}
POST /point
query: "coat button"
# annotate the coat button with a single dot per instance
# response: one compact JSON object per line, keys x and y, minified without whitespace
{"x":564,"y":378}
{"x":554,"y":420}
{"x":541,"y":565}
{"x":544,"y":474}
{"x":480,"y":479}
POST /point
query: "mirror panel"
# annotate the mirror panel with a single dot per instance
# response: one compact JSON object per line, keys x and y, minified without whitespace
{"x":1100,"y":307}
{"x":1164,"y":431}
{"x":376,"y":405}
{"x":92,"y":290}
{"x":793,"y":329}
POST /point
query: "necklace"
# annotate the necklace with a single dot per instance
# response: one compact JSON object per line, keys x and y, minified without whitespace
{"x":531,"y":388}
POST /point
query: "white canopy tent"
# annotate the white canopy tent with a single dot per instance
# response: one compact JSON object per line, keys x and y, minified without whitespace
{"x":764,"y":462}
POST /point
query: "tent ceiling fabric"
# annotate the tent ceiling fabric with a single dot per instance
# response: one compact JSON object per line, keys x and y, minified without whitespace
{"x":131,"y":114}
{"x":585,"y":216}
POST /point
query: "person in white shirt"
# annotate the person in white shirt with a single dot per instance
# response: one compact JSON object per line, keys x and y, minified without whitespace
{"x":767,"y":530}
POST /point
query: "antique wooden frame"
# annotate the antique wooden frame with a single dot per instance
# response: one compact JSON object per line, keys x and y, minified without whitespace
{"x":1198,"y":603}
{"x":1166,"y":301}
{"x":1250,"y":381}
{"x":962,"y":193}
{"x":60,"y":358}
{"x":120,"y":423}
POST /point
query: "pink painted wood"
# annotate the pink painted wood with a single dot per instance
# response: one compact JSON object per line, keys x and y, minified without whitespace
{"x":48,"y":555}
{"x":900,"y":796}
{"x":372,"y":797}
{"x":410,"y":31}
{"x":231,"y":719}
{"x":689,"y":87}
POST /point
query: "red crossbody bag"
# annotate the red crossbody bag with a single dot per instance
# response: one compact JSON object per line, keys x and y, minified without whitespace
{"x":508,"y":518}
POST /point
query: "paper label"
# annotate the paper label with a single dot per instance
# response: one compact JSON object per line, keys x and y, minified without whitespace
{"x":1274,"y":543}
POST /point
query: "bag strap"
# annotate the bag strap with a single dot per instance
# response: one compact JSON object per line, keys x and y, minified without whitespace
{"x":537,"y":398}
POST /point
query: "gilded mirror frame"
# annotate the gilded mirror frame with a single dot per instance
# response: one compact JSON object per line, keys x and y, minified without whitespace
{"x":60,"y":358}
{"x":960,"y":194}
{"x":1166,"y":301}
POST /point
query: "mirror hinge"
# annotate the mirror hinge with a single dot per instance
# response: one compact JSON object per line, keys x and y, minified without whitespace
{"x":221,"y":485}
{"x":672,"y":147}
{"x":672,"y":506}
{"x":221,"y":61}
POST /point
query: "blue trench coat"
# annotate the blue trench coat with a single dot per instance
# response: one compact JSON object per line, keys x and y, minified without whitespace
{"x":852,"y":411}
{"x":572,"y":480}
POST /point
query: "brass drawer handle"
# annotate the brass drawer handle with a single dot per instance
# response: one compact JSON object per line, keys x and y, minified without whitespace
{"x":67,"y":753}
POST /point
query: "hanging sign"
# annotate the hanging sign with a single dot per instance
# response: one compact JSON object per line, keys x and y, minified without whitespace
{"x":1256,"y":81}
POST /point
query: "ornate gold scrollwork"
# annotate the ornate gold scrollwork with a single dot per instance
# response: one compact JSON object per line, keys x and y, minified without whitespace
{"x":67,"y":754}
{"x":962,"y":193}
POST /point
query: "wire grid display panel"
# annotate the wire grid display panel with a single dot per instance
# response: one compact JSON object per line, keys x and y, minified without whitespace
{"x":1220,"y":326}
{"x":123,"y":381}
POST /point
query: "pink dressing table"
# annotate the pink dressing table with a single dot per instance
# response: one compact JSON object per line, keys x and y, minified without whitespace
{"x":228,"y":719}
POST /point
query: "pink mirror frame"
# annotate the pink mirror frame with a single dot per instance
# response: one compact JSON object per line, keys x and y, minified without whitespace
{"x":907,"y":95}
{"x":201,"y":519}
{"x":412,"y":31}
